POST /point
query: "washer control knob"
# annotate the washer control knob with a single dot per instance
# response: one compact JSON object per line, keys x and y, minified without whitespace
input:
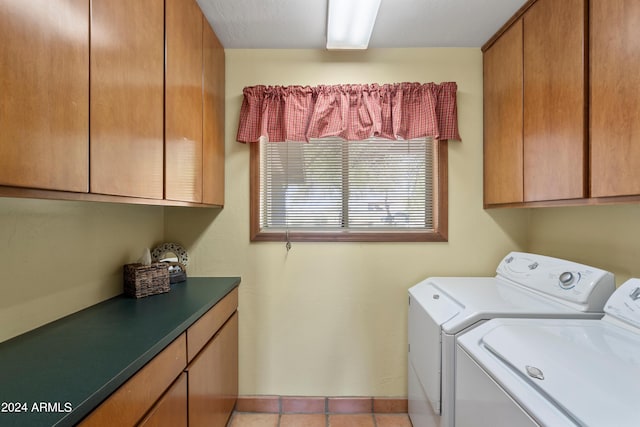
{"x":509,"y":260}
{"x":566,"y":279}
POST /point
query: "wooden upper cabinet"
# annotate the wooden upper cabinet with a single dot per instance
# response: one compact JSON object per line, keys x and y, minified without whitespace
{"x":183,"y":102}
{"x":127,"y":97}
{"x":44,"y":101}
{"x":502,"y":64}
{"x":615,"y":98}
{"x":555,"y":144}
{"x":213,"y":117}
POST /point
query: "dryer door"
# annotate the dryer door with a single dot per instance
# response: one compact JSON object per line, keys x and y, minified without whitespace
{"x":429,"y":308}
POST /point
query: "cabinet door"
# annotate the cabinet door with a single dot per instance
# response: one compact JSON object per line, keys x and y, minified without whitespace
{"x":213,"y":116}
{"x":503,"y":118}
{"x":554,"y":100}
{"x":213,"y":378}
{"x":127,"y":97}
{"x":183,"y":121}
{"x":615,"y":95}
{"x":44,"y":101}
{"x":171,"y":409}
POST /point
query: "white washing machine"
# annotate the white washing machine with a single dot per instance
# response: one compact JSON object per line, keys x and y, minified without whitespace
{"x":552,"y":372}
{"x":441,"y":308}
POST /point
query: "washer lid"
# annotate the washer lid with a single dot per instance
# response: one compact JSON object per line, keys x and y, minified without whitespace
{"x":587,"y":368}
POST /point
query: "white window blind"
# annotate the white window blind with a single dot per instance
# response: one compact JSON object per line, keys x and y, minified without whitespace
{"x":330,"y":184}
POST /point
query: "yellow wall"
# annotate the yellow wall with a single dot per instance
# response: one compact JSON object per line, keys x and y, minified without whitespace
{"x":59,"y":257}
{"x":330,"y":318}
{"x":325,"y":318}
{"x":603,"y":236}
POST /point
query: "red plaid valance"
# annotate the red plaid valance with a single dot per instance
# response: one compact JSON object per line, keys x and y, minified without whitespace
{"x":351,"y":112}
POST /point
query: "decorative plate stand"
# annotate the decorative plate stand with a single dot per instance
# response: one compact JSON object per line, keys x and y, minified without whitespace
{"x":165,"y":251}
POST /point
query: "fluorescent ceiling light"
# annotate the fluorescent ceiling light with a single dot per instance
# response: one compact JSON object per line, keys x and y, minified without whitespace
{"x":350,"y":23}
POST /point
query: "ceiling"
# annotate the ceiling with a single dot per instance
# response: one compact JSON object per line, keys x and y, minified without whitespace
{"x":301,"y":24}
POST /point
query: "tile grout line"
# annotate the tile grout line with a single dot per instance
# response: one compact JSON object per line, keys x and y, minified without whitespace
{"x":326,"y":411}
{"x":279,"y":410}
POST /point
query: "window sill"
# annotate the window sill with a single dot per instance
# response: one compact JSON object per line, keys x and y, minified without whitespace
{"x":349,"y":236}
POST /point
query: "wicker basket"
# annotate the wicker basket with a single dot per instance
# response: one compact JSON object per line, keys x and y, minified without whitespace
{"x":144,"y":280}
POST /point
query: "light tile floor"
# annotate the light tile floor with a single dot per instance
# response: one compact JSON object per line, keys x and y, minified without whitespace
{"x":247,"y":419}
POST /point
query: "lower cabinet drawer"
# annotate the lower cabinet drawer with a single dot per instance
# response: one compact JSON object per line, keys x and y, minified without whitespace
{"x":205,"y":327}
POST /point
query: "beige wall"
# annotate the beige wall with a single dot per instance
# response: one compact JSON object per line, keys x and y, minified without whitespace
{"x":604,"y":236}
{"x":330,"y":318}
{"x":59,"y":257}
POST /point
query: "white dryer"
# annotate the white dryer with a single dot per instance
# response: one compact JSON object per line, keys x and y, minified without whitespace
{"x":552,"y":372}
{"x":441,"y":308}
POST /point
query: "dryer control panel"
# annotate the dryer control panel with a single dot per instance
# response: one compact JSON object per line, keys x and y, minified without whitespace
{"x":568,"y":281}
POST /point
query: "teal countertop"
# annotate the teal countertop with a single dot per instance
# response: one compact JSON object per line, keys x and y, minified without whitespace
{"x":56,"y":374}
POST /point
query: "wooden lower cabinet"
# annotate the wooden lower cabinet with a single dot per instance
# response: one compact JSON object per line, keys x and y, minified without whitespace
{"x":129,"y":404}
{"x":201,"y":332}
{"x":213,"y":378}
{"x":171,"y":391}
{"x":171,"y":409}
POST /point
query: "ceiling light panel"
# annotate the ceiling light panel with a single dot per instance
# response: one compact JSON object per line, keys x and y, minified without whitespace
{"x":350,"y":23}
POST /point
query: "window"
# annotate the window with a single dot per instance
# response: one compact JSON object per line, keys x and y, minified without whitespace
{"x":334,"y":190}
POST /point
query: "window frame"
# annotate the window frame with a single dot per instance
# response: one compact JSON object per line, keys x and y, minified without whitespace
{"x":440,"y":211}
